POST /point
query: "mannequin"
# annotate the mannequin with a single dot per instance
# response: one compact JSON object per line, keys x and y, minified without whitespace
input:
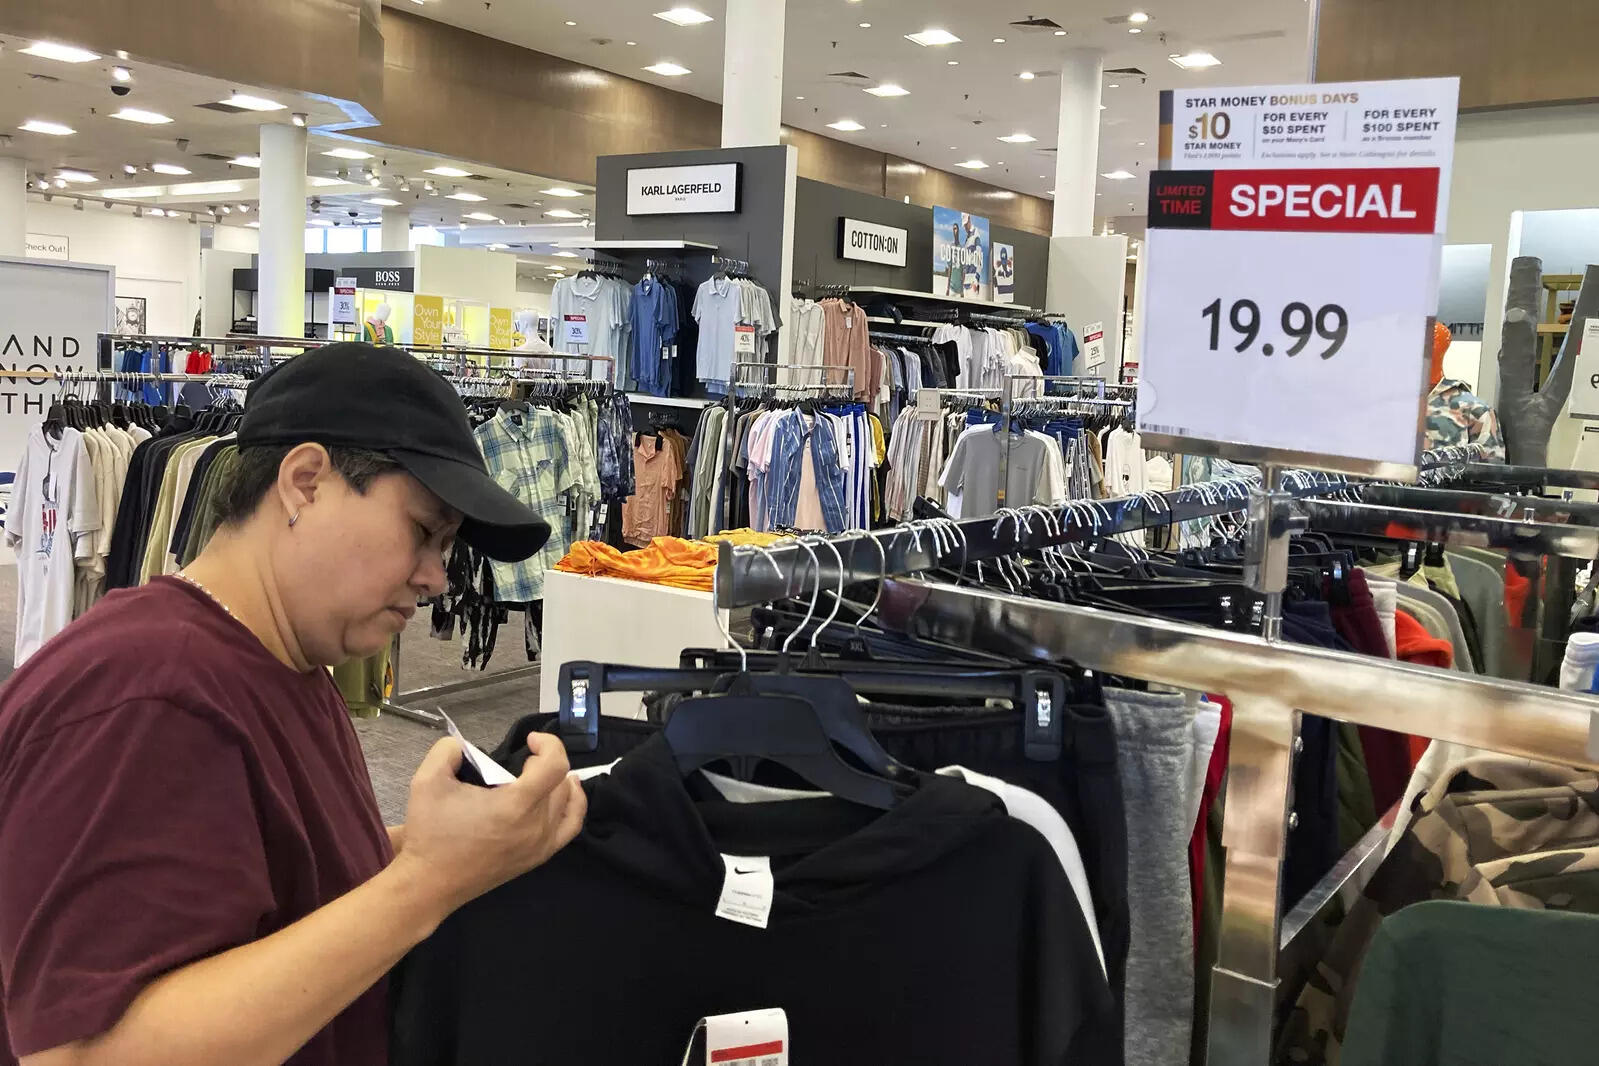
{"x":378,"y":331}
{"x":1454,"y":414}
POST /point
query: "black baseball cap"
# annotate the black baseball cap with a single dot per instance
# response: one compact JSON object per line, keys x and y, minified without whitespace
{"x":357,"y":395}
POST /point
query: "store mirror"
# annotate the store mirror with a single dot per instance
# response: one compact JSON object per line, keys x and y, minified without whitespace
{"x":1462,"y":300}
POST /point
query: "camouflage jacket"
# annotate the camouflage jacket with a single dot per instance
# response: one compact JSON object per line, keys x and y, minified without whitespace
{"x":1492,"y":830}
{"x":1455,"y":416}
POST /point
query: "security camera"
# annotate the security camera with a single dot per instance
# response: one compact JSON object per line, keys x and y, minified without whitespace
{"x":121,"y":90}
{"x":316,"y":207}
{"x":354,"y":213}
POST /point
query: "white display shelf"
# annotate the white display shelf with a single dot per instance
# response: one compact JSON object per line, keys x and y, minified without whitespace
{"x":574,"y":243}
{"x":671,"y":401}
{"x":958,"y":301}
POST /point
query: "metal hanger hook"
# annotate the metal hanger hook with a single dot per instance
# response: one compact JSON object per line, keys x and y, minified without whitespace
{"x":838,"y":595}
{"x":816,"y":592}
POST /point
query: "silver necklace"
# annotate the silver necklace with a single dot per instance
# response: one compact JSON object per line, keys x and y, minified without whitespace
{"x":211,"y":595}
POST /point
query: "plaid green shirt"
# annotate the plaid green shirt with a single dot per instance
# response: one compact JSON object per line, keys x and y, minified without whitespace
{"x":533,"y":462}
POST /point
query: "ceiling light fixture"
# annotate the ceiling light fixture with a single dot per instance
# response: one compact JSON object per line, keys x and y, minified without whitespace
{"x":498,"y":247}
{"x":121,"y":74}
{"x":1141,"y":144}
{"x":845,"y":125}
{"x":321,"y":182}
{"x":202,"y":188}
{"x":383,"y":201}
{"x":374,"y":180}
{"x":246,"y":161}
{"x":61,"y":53}
{"x":1195,"y":60}
{"x":139,"y":114}
{"x":54,"y":129}
{"x":298,"y":118}
{"x":1019,"y":138}
{"x":347,"y":153}
{"x":320,"y":222}
{"x":864,"y":25}
{"x":561,"y":212}
{"x":561,"y":191}
{"x":226,"y":210}
{"x":1138,"y":16}
{"x":954,"y":63}
{"x":973,"y":164}
{"x":170,"y":168}
{"x":999,"y":40}
{"x":564,"y":255}
{"x":684,"y":16}
{"x":1117,"y":175}
{"x":244,"y":209}
{"x":933,"y":36}
{"x":129,"y":168}
{"x":75,"y":175}
{"x":1114,"y":85}
{"x":667,"y":69}
{"x":1134,"y":29}
{"x":1027,"y":75}
{"x":61,"y":183}
{"x":632,"y":44}
{"x":1060,"y":33}
{"x":156,"y":211}
{"x":467,"y":197}
{"x":799,"y":97}
{"x":246,"y":102}
{"x":887,"y":89}
{"x":253,"y":225}
{"x":481,"y":216}
{"x":569,"y":22}
{"x":449,"y":172}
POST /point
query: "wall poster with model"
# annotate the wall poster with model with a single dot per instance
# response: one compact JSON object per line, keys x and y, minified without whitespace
{"x":960,"y":254}
{"x":1004,"y":274}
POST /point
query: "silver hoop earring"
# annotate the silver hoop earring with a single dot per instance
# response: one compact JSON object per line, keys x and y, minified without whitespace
{"x":295,"y":519}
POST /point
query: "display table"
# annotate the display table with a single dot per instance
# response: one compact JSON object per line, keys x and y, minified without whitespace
{"x":608,"y":619}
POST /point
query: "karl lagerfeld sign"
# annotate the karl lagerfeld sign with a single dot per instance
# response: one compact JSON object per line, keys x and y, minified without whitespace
{"x":707,"y":189}
{"x":871,"y":243}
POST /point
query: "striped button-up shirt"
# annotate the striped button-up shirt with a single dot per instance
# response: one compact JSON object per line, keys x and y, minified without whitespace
{"x":793,"y":434}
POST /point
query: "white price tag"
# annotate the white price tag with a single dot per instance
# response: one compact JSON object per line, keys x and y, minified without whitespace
{"x":1292,"y":269}
{"x":749,"y":1038}
{"x":744,"y":340}
{"x":575,"y":329}
{"x":1094,"y":346}
{"x":747,"y":890}
{"x":342,"y":311}
{"x":1585,"y":383}
{"x":491,"y":772}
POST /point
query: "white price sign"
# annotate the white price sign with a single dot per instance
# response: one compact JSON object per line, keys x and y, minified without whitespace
{"x":343,"y":310}
{"x":1292,"y":272}
{"x":1094,"y":346}
{"x":575,"y":329}
{"x":1585,"y":383}
{"x":744,"y":340}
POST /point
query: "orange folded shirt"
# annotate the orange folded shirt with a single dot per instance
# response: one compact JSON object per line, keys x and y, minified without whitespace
{"x":1415,"y":645}
{"x":684,"y":564}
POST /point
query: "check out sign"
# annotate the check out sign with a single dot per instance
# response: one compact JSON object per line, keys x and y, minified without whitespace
{"x":1292,"y":271}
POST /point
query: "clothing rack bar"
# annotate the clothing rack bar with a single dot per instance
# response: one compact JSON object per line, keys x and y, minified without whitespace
{"x":748,"y":576}
{"x":1484,"y":504}
{"x":1552,"y":477}
{"x":68,"y":377}
{"x":1453,"y":530}
{"x":134,"y":340}
{"x":889,"y":335}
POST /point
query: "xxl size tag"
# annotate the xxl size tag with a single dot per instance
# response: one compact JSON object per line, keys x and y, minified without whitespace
{"x":747,"y":890}
{"x":752,"y":1038}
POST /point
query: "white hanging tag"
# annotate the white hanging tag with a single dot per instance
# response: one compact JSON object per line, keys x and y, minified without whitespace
{"x":751,"y":1038}
{"x":747,"y":890}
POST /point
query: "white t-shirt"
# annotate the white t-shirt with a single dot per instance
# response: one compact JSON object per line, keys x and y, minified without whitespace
{"x":50,"y":523}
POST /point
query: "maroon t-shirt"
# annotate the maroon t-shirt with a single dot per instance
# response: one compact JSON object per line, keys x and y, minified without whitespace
{"x":169,"y":790}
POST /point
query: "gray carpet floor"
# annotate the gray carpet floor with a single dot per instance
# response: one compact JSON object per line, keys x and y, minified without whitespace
{"x":395,"y":745}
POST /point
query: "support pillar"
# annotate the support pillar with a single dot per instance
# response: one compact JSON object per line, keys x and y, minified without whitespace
{"x":396,"y":229}
{"x":1082,"y":76}
{"x":282,"y":261}
{"x":752,"y":73}
{"x":13,"y":206}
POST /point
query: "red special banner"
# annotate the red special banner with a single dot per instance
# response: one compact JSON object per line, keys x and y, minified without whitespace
{"x":1363,"y":200}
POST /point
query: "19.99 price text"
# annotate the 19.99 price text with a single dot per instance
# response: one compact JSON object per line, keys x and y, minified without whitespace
{"x":1300,"y":324}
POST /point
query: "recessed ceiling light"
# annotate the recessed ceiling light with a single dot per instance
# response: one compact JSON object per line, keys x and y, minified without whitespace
{"x":202,"y":188}
{"x":1195,"y":60}
{"x":121,"y":74}
{"x":347,"y":153}
{"x":887,"y":89}
{"x":799,"y":97}
{"x":561,"y":212}
{"x":54,"y":129}
{"x":320,"y":222}
{"x":1043,"y":177}
{"x":246,"y":161}
{"x":569,"y":22}
{"x":864,"y":25}
{"x":954,"y":62}
{"x":481,"y":216}
{"x":75,"y":175}
{"x":253,"y":225}
{"x":138,"y":114}
{"x":498,"y":247}
{"x":1134,"y":29}
{"x":683,"y":16}
{"x":158,"y":212}
{"x":668,"y":69}
{"x":61,"y":53}
{"x":1019,"y":138}
{"x":129,"y":168}
{"x":564,"y":255}
{"x":932,"y":36}
{"x":999,"y":40}
{"x":1138,"y":16}
{"x":253,"y":103}
{"x":561,"y":191}
{"x":954,"y":148}
{"x":170,"y":168}
{"x":466,"y":197}
{"x":383,"y":201}
{"x":847,"y":125}
{"x":973,"y":164}
{"x":1102,"y":107}
{"x":1117,"y":175}
{"x":1027,"y":75}
{"x":322,"y":182}
{"x":448,"y":172}
{"x":244,"y":208}
{"x":1060,"y":33}
{"x":632,"y":44}
{"x":1114,"y":85}
{"x":1140,"y":144}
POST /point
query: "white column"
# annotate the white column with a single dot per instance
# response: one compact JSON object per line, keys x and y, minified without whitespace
{"x":752,"y":73}
{"x":396,"y":229}
{"x":13,"y":206}
{"x":1077,"y":142}
{"x":282,"y":261}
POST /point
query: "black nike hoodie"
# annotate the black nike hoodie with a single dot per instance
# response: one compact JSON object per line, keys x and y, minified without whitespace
{"x":941,"y":932}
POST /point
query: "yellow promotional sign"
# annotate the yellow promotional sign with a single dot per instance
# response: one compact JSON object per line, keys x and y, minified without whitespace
{"x":427,"y":320}
{"x":500,"y":329}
